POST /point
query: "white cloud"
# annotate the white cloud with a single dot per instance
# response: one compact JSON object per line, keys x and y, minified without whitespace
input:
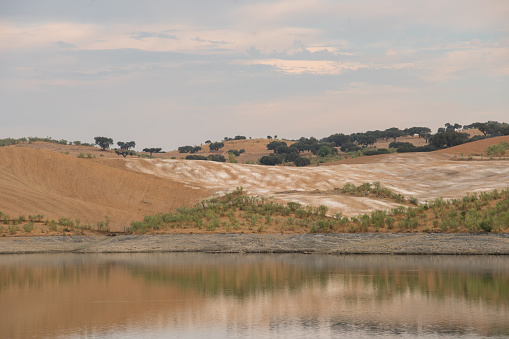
{"x":465,"y":63}
{"x":319,"y":64}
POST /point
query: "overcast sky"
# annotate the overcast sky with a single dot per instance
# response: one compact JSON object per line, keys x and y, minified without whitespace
{"x":171,"y":73}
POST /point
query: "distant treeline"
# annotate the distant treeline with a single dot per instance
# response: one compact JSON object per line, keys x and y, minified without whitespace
{"x":11,"y":141}
{"x":447,"y":136}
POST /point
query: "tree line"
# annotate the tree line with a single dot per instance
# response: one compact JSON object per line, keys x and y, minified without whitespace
{"x":448,"y":136}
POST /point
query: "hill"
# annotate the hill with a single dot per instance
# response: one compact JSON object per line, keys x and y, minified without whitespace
{"x":58,"y":185}
{"x":38,"y":181}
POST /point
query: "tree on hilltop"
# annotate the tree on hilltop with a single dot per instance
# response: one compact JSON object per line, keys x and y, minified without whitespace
{"x":275,"y":144}
{"x":444,"y":139}
{"x":393,"y":132}
{"x":124,"y":152}
{"x":103,"y":142}
{"x":152,"y":150}
{"x":126,"y":145}
{"x":216,"y":145}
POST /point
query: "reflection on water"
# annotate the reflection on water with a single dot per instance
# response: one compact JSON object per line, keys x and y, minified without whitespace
{"x":217,"y":295}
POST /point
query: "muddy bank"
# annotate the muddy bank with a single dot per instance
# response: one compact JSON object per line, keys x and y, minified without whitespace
{"x":366,"y":243}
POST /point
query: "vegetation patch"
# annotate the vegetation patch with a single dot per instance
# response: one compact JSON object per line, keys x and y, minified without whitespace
{"x":37,"y":225}
{"x":237,"y":212}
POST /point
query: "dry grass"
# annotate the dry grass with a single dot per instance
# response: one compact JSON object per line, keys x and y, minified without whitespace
{"x":255,"y":149}
{"x":37,"y":181}
{"x":57,"y":185}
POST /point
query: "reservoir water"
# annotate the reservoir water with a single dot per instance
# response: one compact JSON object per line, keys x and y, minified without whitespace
{"x":198,"y":295}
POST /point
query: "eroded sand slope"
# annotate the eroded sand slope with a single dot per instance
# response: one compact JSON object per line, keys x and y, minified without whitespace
{"x":58,"y":185}
{"x":34,"y":181}
{"x":424,"y":176}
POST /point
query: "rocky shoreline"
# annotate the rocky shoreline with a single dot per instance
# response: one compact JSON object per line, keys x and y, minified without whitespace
{"x":334,"y":243}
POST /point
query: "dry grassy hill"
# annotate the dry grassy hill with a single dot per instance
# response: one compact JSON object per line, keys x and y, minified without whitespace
{"x":473,"y":148}
{"x":38,"y":181}
{"x":255,"y":149}
{"x":58,"y":185}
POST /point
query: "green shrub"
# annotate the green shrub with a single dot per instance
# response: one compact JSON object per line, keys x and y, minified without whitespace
{"x":28,"y":227}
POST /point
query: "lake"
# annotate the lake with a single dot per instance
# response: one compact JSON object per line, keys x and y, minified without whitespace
{"x":199,"y":295}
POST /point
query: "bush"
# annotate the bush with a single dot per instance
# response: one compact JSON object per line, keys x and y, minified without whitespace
{"x":234,"y":152}
{"x":272,"y":146}
{"x":349,"y":147}
{"x":497,"y":150}
{"x":271,"y":160}
{"x":186,"y":149}
{"x":216,"y":146}
{"x":324,"y":151}
{"x":28,"y":227}
{"x":216,"y":157}
{"x":301,"y":162}
{"x":369,"y":152}
{"x":195,"y":157}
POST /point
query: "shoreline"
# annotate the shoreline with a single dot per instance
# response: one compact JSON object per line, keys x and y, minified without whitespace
{"x":330,"y":243}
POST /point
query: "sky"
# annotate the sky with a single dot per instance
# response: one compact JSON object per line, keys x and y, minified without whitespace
{"x":168,"y":73}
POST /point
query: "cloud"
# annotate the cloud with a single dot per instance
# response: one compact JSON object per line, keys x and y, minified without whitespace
{"x":214,"y":42}
{"x":308,"y":66}
{"x":63,"y":44}
{"x":488,"y":62}
{"x":146,"y":35}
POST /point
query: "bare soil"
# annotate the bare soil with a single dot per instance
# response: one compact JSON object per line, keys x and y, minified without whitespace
{"x":42,"y":178}
{"x":359,"y":243}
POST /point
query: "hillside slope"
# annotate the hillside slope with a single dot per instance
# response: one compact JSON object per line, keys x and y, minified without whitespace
{"x":36,"y":181}
{"x":424,"y":176}
{"x":57,"y":185}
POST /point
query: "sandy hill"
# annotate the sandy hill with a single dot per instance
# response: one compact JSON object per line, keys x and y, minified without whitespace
{"x":37,"y":181}
{"x":473,"y":148}
{"x":254,"y":149}
{"x":58,"y":185}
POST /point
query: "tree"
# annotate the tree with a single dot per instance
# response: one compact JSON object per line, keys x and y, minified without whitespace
{"x":126,"y":145}
{"x":452,"y":127}
{"x":208,"y":142}
{"x":124,"y":152}
{"x":216,"y":146}
{"x":271,"y":160}
{"x":448,"y":139}
{"x":216,"y":157}
{"x":324,"y":151}
{"x":185,"y":149}
{"x":301,"y":162}
{"x":239,"y":137}
{"x":269,"y":137}
{"x":349,"y":147}
{"x":366,"y":139}
{"x":103,"y":142}
{"x":338,"y":139}
{"x":272,"y":146}
{"x":152,"y":150}
{"x":486,"y":128}
{"x":195,"y":157}
{"x":393,"y":132}
{"x":421,"y":131}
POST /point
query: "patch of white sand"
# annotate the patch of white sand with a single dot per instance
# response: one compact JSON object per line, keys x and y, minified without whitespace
{"x":423,"y":177}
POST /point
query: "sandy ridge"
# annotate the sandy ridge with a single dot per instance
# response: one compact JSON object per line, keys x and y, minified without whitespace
{"x":342,"y":243}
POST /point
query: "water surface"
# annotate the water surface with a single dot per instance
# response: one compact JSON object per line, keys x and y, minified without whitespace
{"x":189,"y":295}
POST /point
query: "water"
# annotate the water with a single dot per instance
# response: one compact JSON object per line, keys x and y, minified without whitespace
{"x":193,"y":295}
